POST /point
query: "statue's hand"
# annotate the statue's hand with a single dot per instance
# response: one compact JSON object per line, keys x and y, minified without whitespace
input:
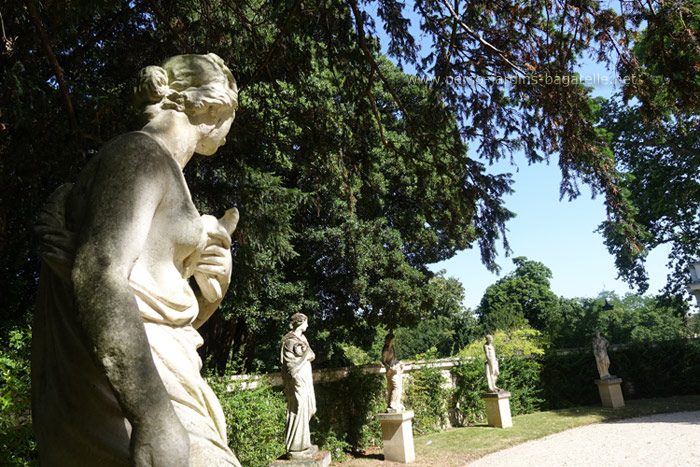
{"x":213,"y":269}
{"x":164,"y":444}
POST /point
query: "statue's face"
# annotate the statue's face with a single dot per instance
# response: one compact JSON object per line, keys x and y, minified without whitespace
{"x":489,"y":339}
{"x":215,"y":125}
{"x":304,"y":325}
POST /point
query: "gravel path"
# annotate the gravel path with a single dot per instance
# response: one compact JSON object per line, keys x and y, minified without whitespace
{"x":658,"y":440}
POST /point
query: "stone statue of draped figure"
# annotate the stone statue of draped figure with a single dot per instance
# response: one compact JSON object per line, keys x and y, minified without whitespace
{"x":492,"y":371}
{"x":115,"y":371}
{"x":394,"y":375}
{"x":600,"y":352}
{"x":295,"y":361}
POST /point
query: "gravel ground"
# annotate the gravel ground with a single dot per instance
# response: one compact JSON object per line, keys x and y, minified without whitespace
{"x":658,"y":440}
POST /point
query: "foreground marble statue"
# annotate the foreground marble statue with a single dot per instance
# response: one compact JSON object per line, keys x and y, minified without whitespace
{"x":600,"y":351}
{"x":492,"y":371}
{"x":295,"y":361}
{"x":394,"y":375}
{"x":115,"y":372}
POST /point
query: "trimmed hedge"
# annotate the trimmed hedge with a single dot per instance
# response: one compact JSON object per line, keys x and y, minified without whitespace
{"x":347,"y":408}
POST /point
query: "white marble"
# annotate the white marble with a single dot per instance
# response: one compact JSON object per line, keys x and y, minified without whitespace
{"x":492,"y":371}
{"x":295,"y":361}
{"x":116,"y":376}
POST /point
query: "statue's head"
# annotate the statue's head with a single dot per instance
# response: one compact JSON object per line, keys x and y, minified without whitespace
{"x":389,"y":340}
{"x":200,"y":86}
{"x":489,"y":338}
{"x":298,"y":320}
{"x":597,"y":332}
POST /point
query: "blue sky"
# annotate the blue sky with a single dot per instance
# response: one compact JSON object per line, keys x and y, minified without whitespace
{"x":560,"y":234}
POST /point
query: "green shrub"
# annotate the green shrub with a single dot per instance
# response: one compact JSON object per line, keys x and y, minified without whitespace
{"x":521,"y":377}
{"x":255,"y":421}
{"x":17,"y":445}
{"x":329,"y":441}
{"x":470,"y":382}
{"x":567,"y":379}
{"x":524,"y":342}
{"x":661,"y":369}
{"x":348,"y":408}
{"x":426,"y":395}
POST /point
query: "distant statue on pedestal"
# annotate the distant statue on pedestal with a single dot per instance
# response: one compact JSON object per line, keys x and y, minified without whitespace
{"x":394,"y":376}
{"x":600,"y":351}
{"x":295,"y":359}
{"x":492,"y":371}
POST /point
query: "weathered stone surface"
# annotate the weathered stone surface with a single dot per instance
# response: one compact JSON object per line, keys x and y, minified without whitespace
{"x":498,"y":409}
{"x":397,"y":436}
{"x":610,"y":392}
{"x":492,"y":371}
{"x":115,"y":372}
{"x":394,"y":375}
{"x":600,"y":351}
{"x":295,"y":361}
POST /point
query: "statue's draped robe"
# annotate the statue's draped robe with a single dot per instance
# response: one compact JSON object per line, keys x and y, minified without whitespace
{"x":76,"y":417}
{"x":600,"y":351}
{"x":295,"y":358}
{"x":491,"y":366}
{"x":394,"y":379}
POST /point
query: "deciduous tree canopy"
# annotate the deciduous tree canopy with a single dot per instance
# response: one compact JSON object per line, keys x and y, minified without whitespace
{"x":521,"y":298}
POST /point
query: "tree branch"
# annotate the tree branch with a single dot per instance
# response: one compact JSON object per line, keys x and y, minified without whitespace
{"x":159,"y":13}
{"x":77,"y":55}
{"x":483,"y":41}
{"x":58,"y":71}
{"x":374,"y":109}
{"x":370,"y":59}
{"x":272,"y":48}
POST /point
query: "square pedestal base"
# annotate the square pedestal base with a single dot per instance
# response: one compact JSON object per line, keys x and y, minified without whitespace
{"x":498,"y":409}
{"x":610,"y":392}
{"x":320,"y":459}
{"x":397,"y":435}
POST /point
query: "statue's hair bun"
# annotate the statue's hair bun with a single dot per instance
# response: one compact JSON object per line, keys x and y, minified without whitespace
{"x":152,"y":85}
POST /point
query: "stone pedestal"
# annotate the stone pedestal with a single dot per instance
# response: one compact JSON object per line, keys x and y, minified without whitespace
{"x":397,"y":435}
{"x":498,"y":409}
{"x":610,"y":392}
{"x":320,"y":459}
